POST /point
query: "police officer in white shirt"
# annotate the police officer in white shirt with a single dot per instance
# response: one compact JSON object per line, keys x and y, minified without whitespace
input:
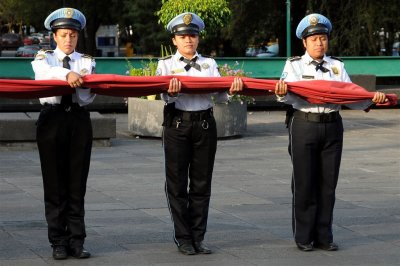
{"x":190,"y":136}
{"x":315,"y":136}
{"x":64,"y":135}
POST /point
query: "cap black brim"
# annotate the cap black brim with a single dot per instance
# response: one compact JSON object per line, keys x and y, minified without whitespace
{"x":314,"y":30}
{"x":66,"y":23}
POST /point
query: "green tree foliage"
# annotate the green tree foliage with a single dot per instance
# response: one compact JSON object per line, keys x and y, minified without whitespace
{"x":214,"y":13}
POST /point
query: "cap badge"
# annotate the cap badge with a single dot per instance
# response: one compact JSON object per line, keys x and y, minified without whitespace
{"x":68,"y":12}
{"x":187,"y":19}
{"x":313,"y":20}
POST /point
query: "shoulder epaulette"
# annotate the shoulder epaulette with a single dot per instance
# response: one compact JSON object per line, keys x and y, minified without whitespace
{"x":294,"y":58}
{"x":87,"y":56}
{"x":42,"y":54}
{"x":46,"y":51}
{"x":336,"y":58}
{"x":165,"y":57}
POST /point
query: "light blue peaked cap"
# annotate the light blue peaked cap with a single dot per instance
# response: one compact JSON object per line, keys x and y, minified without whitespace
{"x":65,"y":18}
{"x":186,"y":23}
{"x":313,"y":24}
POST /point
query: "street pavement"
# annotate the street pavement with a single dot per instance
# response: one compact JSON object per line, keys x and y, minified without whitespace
{"x":128,"y":222}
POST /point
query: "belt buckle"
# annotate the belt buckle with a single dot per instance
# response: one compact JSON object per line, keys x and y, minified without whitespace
{"x":196,"y":116}
{"x":186,"y":116}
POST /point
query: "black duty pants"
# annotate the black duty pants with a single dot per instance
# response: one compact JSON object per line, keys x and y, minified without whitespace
{"x":189,"y":155}
{"x":64,"y":141}
{"x":316,"y":149}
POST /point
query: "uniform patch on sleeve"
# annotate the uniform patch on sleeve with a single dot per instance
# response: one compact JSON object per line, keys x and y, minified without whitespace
{"x":83,"y":72}
{"x":335,"y":70}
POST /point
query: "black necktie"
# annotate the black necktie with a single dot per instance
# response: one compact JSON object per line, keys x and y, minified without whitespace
{"x":190,"y":63}
{"x":318,"y":66}
{"x":67,"y":98}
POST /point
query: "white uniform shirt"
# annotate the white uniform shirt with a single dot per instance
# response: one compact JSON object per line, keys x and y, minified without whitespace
{"x":301,"y":69}
{"x":191,"y":102}
{"x":48,"y":65}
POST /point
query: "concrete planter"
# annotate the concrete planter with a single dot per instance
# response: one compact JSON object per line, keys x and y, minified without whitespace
{"x":145,"y":118}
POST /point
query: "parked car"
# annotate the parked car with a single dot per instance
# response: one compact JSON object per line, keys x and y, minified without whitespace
{"x":269,"y":51}
{"x":396,"y":49}
{"x":11,"y":41}
{"x":45,"y":46}
{"x":29,"y":40}
{"x":251,"y":51}
{"x":263,"y":50}
{"x":37,"y":35}
{"x":27,"y":51}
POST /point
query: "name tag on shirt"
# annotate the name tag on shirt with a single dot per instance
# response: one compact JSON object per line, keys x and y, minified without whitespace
{"x":179,"y":70}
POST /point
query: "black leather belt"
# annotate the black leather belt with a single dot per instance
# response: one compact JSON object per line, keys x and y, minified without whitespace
{"x":194,"y":115}
{"x":67,"y":108}
{"x":317,"y":117}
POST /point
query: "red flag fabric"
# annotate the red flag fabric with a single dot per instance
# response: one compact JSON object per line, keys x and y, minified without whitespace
{"x":315,"y":91}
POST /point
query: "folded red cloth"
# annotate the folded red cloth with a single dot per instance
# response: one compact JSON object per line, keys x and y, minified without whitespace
{"x":315,"y":91}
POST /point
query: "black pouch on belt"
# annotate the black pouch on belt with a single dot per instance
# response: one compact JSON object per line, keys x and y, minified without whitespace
{"x":169,"y":110}
{"x":289,"y":113}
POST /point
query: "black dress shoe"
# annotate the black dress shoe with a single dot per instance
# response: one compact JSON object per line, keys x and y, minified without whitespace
{"x":79,"y":253}
{"x":60,"y":252}
{"x":186,"y":249}
{"x":328,"y":247}
{"x":200,"y":248}
{"x":305,"y":247}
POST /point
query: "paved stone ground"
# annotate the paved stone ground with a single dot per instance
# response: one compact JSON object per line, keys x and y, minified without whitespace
{"x":128,"y":222}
